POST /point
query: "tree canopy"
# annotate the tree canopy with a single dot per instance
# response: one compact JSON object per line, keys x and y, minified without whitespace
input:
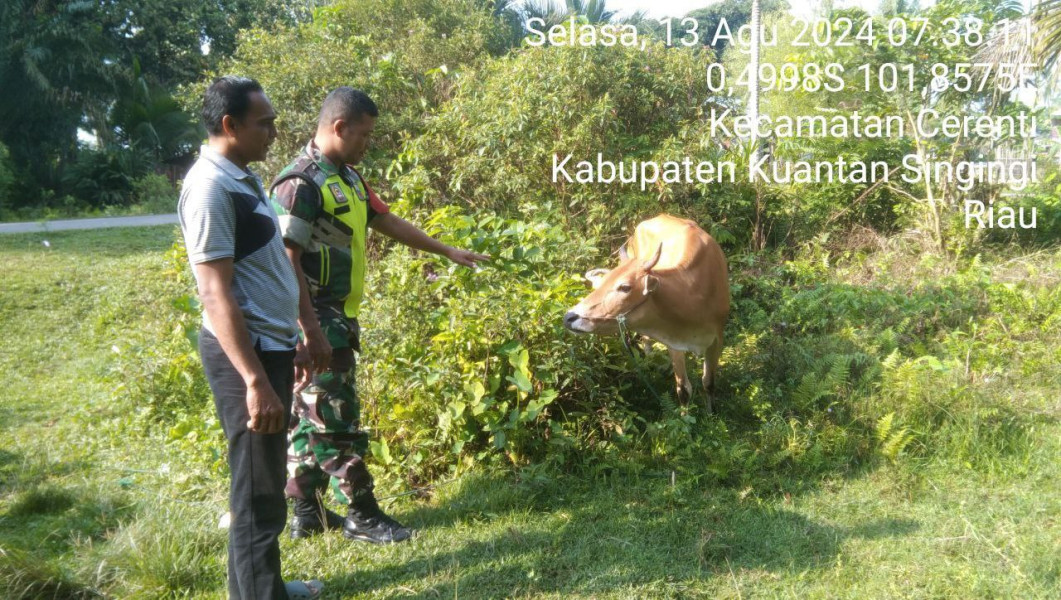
{"x":70,"y":65}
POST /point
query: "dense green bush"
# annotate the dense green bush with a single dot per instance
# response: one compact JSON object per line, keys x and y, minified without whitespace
{"x":106,"y":177}
{"x":1044,"y":198}
{"x":492,"y":146}
{"x":155,"y":194}
{"x":461,"y":363}
{"x":464,"y":366}
{"x":403,"y":53}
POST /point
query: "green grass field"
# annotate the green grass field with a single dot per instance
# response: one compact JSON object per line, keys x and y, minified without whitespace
{"x":93,"y":503}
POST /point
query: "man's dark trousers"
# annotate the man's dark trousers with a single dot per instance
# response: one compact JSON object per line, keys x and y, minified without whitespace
{"x":258,"y":472}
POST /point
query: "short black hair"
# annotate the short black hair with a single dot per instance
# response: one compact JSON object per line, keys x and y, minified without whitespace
{"x":228,"y":95}
{"x":347,"y":104}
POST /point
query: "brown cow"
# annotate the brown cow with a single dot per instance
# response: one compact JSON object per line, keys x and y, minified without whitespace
{"x":671,"y":286}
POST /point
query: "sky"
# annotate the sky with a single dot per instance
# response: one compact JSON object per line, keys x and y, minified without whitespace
{"x":800,"y":8}
{"x":677,"y":8}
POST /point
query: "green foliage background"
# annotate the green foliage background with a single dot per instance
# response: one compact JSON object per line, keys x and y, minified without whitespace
{"x":89,"y":82}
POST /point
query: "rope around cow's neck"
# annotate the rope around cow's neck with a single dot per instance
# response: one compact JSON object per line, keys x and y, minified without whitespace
{"x":624,"y":335}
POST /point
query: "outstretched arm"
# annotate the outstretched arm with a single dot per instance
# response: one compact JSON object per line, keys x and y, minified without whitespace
{"x":405,"y":232}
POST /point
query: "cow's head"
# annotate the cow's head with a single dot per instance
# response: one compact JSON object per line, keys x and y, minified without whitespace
{"x":625,"y":290}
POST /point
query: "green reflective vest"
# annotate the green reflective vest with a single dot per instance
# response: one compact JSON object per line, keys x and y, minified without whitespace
{"x":334,"y":265}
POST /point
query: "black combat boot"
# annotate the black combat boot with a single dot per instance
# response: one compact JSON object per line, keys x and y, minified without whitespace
{"x":367,"y":523}
{"x":311,"y":518}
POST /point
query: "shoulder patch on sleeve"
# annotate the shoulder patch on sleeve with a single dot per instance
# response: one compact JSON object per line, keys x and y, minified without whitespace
{"x":298,"y":195}
{"x":315,"y":173}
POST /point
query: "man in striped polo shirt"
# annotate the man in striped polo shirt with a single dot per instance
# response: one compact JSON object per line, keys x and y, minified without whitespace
{"x":250,"y":298}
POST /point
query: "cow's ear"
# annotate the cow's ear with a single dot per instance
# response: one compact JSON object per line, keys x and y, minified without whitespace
{"x":624,"y":254}
{"x":651,"y":284}
{"x":596,"y":276}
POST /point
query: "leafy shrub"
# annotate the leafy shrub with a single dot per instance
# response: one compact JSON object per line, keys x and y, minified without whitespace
{"x":404,"y":54}
{"x":492,"y":146}
{"x":464,"y":368}
{"x":106,"y":177}
{"x":1044,"y":199}
{"x":155,"y":194}
{"x":461,"y":364}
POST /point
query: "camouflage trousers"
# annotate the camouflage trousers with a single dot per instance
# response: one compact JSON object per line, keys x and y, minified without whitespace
{"x":327,"y":443}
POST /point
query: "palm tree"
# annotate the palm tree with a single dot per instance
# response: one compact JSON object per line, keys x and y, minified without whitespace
{"x":57,"y":74}
{"x":1046,"y":19}
{"x":593,"y":11}
{"x":149,"y":118}
{"x":546,"y":10}
{"x":1009,"y":45}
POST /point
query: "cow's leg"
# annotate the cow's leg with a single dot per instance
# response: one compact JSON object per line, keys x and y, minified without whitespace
{"x":711,"y":356}
{"x":681,"y":377}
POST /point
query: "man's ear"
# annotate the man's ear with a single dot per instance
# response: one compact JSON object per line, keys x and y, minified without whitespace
{"x":651,"y":284}
{"x":228,"y":125}
{"x":596,"y":276}
{"x":337,"y":127}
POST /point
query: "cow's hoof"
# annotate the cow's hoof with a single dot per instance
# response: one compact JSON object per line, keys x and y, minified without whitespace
{"x":683,"y":395}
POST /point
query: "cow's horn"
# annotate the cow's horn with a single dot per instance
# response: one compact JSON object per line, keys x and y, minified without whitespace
{"x":655,"y":258}
{"x":623,"y":254}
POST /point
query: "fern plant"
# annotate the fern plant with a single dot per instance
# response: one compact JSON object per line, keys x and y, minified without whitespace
{"x":891,"y":439}
{"x":826,"y":377}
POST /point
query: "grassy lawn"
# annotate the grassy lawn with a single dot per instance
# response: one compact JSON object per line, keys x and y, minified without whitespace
{"x":93,"y":502}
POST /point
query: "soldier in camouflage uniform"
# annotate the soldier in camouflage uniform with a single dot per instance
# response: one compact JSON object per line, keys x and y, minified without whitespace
{"x":325,"y":209}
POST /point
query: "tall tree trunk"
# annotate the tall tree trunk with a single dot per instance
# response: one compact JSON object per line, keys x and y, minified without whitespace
{"x":758,"y":237}
{"x":753,"y":101}
{"x":934,"y":206}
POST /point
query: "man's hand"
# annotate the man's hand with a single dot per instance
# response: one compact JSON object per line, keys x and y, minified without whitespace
{"x":319,"y":350}
{"x":265,"y":409}
{"x":464,"y":257}
{"x":303,"y":367}
{"x":405,"y":232}
{"x":311,"y":357}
